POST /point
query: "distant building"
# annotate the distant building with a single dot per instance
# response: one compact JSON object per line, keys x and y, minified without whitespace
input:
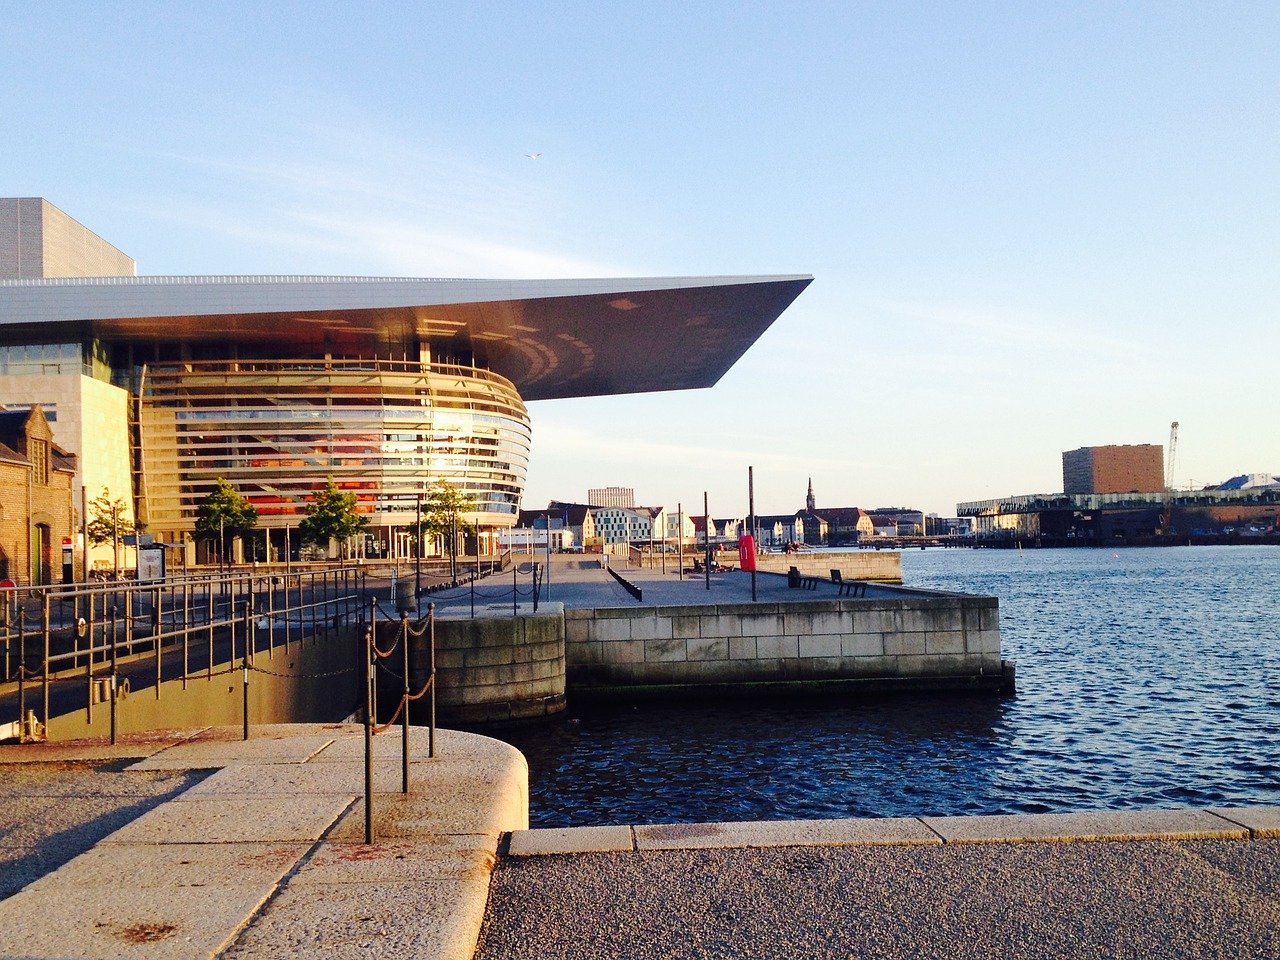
{"x":847,"y":525}
{"x":936,"y":526}
{"x":578,"y":518}
{"x":680,"y":526}
{"x":612,"y":497}
{"x":36,"y":512}
{"x":910,"y":523}
{"x":1137,"y":468}
{"x":884,"y":526}
{"x":623,"y":525}
{"x":1250,"y":481}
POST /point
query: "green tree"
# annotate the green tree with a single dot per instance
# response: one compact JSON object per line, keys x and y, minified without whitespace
{"x":109,"y":522}
{"x":442,"y":517}
{"x":224,"y":515}
{"x":331,"y":515}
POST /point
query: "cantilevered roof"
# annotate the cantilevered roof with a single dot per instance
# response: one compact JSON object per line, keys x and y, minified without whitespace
{"x":552,"y":338}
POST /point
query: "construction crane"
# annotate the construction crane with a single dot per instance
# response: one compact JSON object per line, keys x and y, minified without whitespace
{"x":1166,"y":519}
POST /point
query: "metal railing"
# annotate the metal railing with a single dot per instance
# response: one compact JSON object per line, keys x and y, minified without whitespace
{"x":406,"y":632}
{"x":72,"y":646}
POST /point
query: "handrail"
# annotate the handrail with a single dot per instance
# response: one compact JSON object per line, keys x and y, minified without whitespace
{"x":85,"y":633}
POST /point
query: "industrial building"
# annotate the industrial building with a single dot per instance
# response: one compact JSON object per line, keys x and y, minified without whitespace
{"x":1136,"y":468}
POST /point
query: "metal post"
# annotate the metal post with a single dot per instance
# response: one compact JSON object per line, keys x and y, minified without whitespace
{"x":680,"y":538}
{"x":706,"y":538}
{"x":44,"y":673}
{"x":751,"y":524}
{"x":431,"y":646}
{"x":22,"y":668}
{"x":248,"y":635}
{"x":404,"y":710}
{"x":156,"y":630}
{"x":368,"y":735}
{"x":417,"y":553}
{"x":114,"y":666}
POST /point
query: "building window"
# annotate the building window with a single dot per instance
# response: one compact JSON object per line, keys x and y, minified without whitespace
{"x":39,"y":453}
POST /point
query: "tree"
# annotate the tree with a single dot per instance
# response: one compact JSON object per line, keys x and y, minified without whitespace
{"x":442,"y":517}
{"x":331,"y":515}
{"x":224,"y":515}
{"x":110,"y":521}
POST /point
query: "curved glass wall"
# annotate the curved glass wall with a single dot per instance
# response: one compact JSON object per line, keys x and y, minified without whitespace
{"x":277,"y":430}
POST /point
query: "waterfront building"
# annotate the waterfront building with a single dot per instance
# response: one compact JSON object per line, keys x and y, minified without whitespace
{"x":611,"y":497}
{"x":623,"y":525}
{"x":847,"y":526}
{"x":680,"y":526}
{"x":910,"y":523}
{"x":163,"y":385}
{"x":1131,"y":468}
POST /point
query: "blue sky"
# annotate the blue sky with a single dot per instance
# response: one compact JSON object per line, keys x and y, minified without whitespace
{"x":1032,"y":226}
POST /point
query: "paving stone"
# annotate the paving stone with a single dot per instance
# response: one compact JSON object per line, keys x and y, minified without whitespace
{"x":235,"y":820}
{"x":784,"y":833}
{"x":280,"y":779}
{"x":399,"y":861}
{"x":334,"y":921}
{"x":114,"y":921}
{"x":1123,"y":825}
{"x":259,"y":748}
{"x":161,"y":866}
{"x":537,"y":843}
{"x":1261,"y":821}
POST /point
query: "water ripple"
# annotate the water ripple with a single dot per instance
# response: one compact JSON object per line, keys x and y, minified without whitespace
{"x":1146,"y":678}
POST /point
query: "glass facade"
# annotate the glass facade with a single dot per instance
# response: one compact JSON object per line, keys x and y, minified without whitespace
{"x":277,"y":430}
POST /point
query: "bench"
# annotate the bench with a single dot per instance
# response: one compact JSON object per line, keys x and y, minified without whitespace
{"x":800,"y":580}
{"x":848,"y":588}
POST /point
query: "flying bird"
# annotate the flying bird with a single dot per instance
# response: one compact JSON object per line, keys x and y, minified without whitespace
{"x":533,"y":156}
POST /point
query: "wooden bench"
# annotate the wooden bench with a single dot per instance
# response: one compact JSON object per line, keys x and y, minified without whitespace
{"x":848,"y":588}
{"x":801,"y":580}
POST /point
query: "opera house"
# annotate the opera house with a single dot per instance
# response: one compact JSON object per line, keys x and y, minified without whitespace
{"x":160,"y":385}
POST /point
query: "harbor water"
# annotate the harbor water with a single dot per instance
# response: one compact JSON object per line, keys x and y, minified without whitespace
{"x":1147,"y":678}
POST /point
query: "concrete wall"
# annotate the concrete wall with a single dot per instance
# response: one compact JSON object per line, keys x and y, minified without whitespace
{"x":934,"y":640}
{"x":861,"y":565}
{"x":495,"y":667}
{"x":320,"y":679}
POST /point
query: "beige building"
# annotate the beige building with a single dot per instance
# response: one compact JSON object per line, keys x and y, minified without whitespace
{"x":36,"y":513}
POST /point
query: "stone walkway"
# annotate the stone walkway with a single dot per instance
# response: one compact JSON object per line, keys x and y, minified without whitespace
{"x":265,"y":857}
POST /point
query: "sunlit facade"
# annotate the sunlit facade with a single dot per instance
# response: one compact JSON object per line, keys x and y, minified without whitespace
{"x":163,"y":385}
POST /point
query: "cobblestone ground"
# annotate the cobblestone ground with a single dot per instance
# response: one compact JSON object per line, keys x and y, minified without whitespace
{"x":52,"y":812}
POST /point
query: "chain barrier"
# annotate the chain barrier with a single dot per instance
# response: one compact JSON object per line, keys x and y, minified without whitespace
{"x":292,"y":676}
{"x":373,"y":662}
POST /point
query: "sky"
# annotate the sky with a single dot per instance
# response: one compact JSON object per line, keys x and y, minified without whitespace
{"x":1032,"y":227}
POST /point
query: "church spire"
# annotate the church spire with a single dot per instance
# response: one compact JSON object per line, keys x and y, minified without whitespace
{"x":809,"y":502}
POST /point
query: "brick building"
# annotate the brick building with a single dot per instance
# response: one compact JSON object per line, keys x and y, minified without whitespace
{"x":36,"y":510}
{"x":1136,"y":468}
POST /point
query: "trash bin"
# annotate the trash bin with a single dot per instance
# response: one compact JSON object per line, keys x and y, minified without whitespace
{"x":406,"y":602}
